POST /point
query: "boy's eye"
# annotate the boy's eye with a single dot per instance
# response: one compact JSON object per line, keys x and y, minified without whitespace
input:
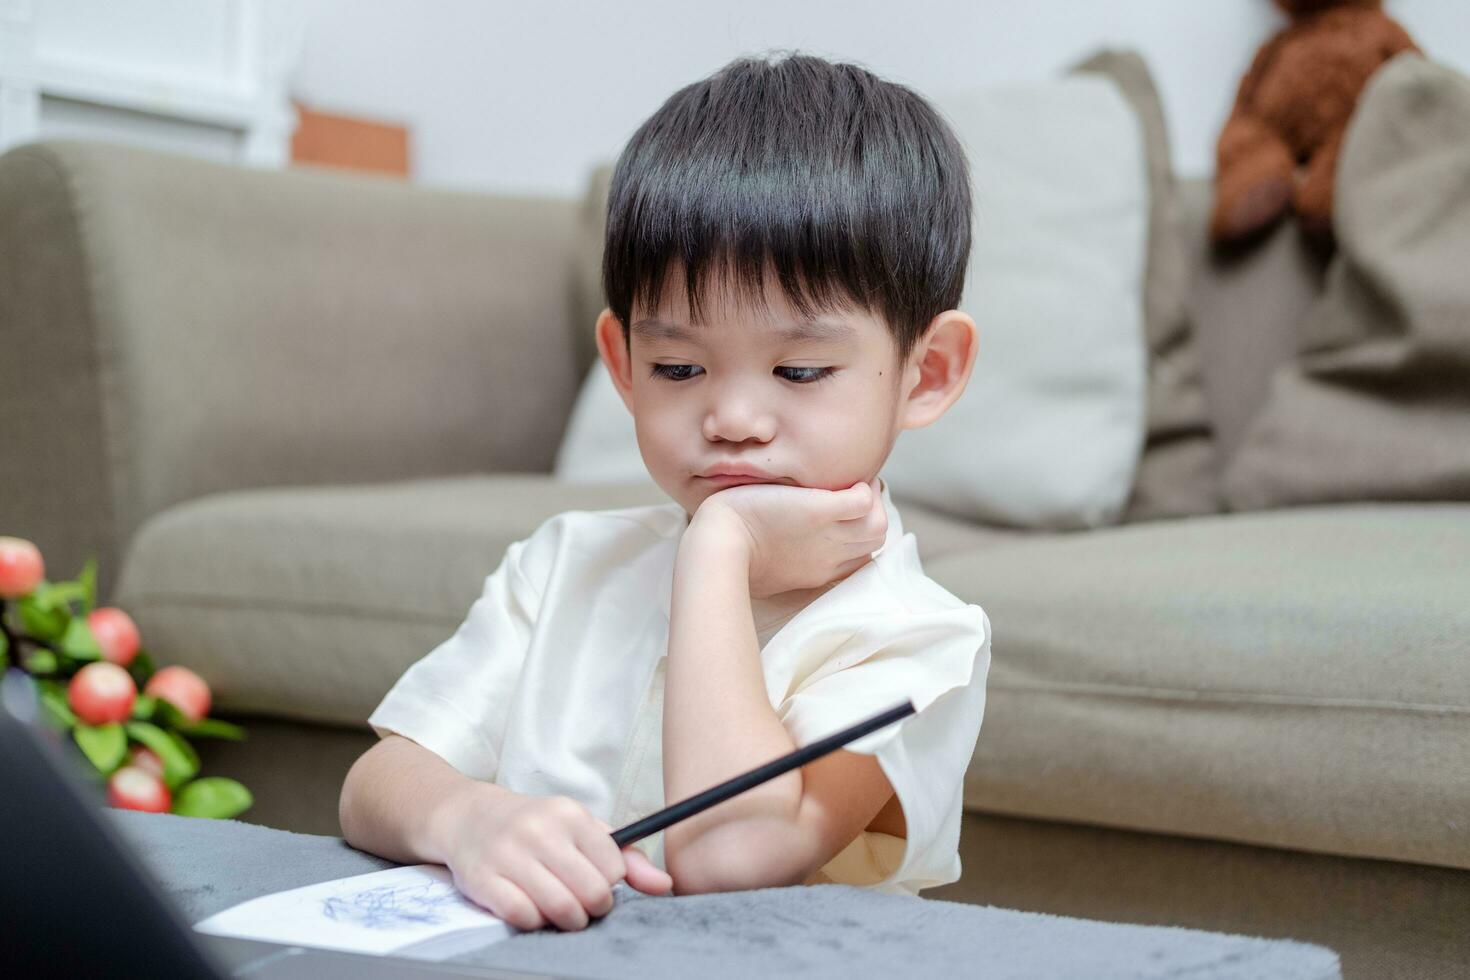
{"x":805,"y":375}
{"x":796,"y":375}
{"x":675,"y":372}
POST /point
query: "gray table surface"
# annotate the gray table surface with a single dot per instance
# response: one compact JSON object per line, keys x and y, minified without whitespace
{"x":809,"y":931}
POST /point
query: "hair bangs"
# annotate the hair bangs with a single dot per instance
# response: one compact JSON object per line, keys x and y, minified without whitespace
{"x":852,"y":191}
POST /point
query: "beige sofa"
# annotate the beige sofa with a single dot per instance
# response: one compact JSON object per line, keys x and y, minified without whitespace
{"x":299,"y":416}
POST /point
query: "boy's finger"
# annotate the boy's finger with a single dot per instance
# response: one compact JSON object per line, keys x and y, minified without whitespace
{"x":507,"y":901}
{"x":644,"y":875}
{"x":853,"y":502}
{"x":875,"y":519}
{"x":595,"y":841}
{"x":582,"y":877}
{"x":878,"y":509}
{"x":553,"y":898}
{"x":869,"y":523}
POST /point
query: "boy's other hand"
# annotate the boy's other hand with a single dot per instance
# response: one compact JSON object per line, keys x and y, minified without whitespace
{"x":795,"y":537}
{"x":534,"y":860}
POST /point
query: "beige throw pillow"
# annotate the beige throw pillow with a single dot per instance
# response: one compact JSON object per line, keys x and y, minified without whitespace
{"x":1177,"y":475}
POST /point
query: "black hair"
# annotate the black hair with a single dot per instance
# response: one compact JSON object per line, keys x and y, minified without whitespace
{"x":854,"y":189}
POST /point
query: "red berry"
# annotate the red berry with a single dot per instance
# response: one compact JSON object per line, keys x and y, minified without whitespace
{"x":135,"y":788}
{"x":21,"y":568}
{"x":182,"y":688}
{"x":101,"y":692}
{"x":116,"y":634}
{"x":146,"y":759}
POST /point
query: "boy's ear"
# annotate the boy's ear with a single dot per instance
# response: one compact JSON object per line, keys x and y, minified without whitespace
{"x":938,"y":368}
{"x":615,"y":354}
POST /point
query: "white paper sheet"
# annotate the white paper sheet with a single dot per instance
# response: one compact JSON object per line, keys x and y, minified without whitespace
{"x":412,"y":911}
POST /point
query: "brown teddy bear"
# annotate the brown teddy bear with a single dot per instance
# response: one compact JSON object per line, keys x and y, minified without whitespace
{"x":1281,"y":141}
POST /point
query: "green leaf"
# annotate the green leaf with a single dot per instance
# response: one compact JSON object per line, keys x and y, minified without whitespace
{"x":166,"y":713}
{"x":141,"y":668}
{"x":54,"y":686}
{"x":184,"y":746}
{"x":143,"y":706}
{"x":4,"y":649}
{"x":53,"y":703}
{"x":78,"y":642}
{"x":213,"y":796}
{"x":88,"y":580}
{"x":104,"y":745}
{"x":59,"y":595}
{"x":44,"y":596}
{"x":40,"y":619}
{"x":214,"y":728}
{"x":179,"y":764}
{"x":41,"y":661}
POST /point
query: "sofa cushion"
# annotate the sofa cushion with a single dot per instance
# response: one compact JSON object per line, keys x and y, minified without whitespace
{"x":309,"y":602}
{"x":1293,"y":678}
{"x":938,"y":533}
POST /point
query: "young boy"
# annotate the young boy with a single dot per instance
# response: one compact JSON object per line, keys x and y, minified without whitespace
{"x":785,"y":249}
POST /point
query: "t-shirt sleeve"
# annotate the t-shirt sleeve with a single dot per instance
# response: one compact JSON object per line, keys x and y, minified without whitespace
{"x":838,"y":676}
{"x":455,"y":701}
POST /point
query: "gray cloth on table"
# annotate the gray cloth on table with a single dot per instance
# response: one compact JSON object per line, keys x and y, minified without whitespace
{"x":810,"y":931}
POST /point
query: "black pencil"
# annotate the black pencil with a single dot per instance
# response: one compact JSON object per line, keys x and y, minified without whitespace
{"x":684,"y":809}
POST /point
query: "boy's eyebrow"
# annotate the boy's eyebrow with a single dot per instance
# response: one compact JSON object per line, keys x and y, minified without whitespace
{"x":653,"y":328}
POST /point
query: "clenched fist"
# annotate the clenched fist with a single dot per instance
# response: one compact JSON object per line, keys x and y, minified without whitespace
{"x":535,"y":860}
{"x":795,"y":537}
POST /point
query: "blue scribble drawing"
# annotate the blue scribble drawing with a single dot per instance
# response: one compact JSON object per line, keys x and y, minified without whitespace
{"x":395,"y":906}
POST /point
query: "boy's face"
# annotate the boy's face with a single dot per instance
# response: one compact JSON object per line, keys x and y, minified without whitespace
{"x":818,"y":406}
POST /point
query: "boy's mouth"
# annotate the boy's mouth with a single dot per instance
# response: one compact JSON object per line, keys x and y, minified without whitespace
{"x":730,"y":475}
{"x":730,"y":480}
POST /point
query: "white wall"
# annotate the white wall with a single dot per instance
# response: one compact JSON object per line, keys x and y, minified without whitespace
{"x":526,"y":97}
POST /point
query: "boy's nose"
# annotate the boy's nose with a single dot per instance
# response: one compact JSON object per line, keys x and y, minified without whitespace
{"x":738,"y":420}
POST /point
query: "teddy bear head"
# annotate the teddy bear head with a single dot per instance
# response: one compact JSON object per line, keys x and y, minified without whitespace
{"x":1302,"y":8}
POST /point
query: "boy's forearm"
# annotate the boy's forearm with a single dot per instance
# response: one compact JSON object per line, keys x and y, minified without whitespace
{"x":718,"y":722}
{"x":400,"y":801}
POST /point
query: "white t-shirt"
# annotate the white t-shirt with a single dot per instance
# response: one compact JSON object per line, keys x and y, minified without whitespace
{"x":553,"y":685}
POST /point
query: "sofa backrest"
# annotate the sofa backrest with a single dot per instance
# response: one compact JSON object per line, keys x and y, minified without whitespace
{"x":171,"y":328}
